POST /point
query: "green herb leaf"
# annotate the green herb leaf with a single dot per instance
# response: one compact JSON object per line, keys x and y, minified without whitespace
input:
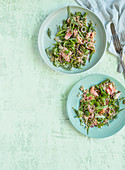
{"x":87,"y":52}
{"x":91,"y":54}
{"x":76,"y":111}
{"x":121,"y":110}
{"x":85,"y":14}
{"x":47,"y":51}
{"x":66,"y":52}
{"x":105,"y":81}
{"x":101,"y":107}
{"x":88,"y":130}
{"x":60,"y":32}
{"x":103,"y":100}
{"x":122,"y":98}
{"x":87,"y":113}
{"x":123,"y":101}
{"x":49,"y":33}
{"x":68,"y":9}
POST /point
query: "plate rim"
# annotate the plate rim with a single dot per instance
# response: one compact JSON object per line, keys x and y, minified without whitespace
{"x":100,"y":74}
{"x":39,"y":38}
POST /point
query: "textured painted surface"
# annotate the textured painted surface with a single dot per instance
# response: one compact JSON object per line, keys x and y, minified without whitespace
{"x":34,"y":131}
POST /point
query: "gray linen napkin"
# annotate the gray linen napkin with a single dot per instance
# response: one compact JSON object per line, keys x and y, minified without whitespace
{"x":109,"y":11}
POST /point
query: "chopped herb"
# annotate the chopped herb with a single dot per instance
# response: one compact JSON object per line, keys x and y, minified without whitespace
{"x":122,"y":98}
{"x":123,"y":101}
{"x":75,"y":110}
{"x":49,"y":33}
{"x":88,"y":130}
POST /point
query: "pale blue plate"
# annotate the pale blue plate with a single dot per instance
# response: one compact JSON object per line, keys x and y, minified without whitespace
{"x":73,"y":101}
{"x":55,"y":19}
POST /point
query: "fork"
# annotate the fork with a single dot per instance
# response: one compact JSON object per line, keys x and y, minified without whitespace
{"x":120,"y":69}
{"x":118,"y":49}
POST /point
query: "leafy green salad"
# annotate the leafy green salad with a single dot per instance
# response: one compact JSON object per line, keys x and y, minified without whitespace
{"x":74,"y":42}
{"x":99,"y":105}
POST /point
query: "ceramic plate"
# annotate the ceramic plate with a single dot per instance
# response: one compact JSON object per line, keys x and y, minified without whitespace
{"x":73,"y":101}
{"x":55,"y":19}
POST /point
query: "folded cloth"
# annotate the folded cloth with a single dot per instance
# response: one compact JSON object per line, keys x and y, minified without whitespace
{"x":109,"y":11}
{"x":124,"y":55}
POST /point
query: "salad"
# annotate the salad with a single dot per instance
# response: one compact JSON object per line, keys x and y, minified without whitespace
{"x":99,"y":105}
{"x":74,"y":42}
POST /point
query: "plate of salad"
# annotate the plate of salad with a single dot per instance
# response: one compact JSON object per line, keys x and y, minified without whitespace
{"x":96,"y":106}
{"x":72,"y":40}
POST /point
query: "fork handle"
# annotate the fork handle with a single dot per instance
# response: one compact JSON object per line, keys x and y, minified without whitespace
{"x":119,"y":69}
{"x":122,"y":64}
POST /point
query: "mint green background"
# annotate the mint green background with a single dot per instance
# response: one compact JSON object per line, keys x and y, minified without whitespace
{"x":35,"y":133}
